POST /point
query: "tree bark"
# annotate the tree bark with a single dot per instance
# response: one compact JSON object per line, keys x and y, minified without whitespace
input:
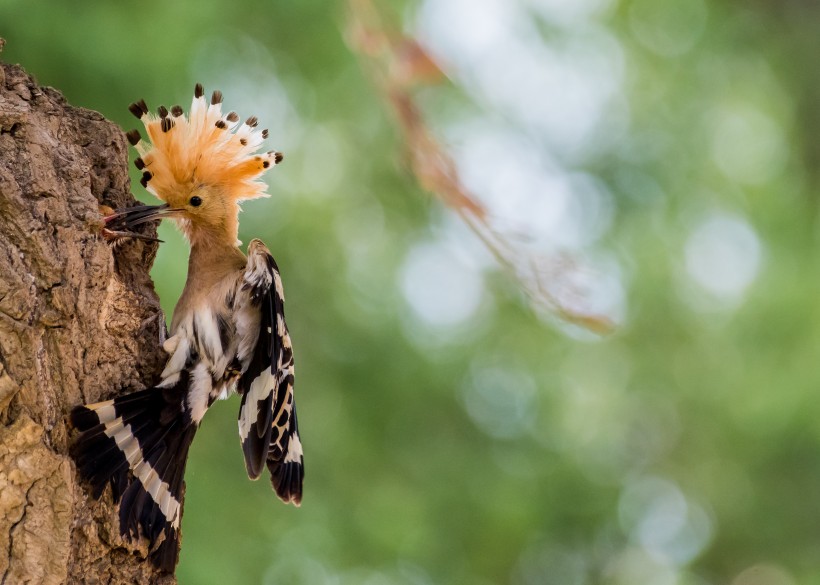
{"x":79,"y":322}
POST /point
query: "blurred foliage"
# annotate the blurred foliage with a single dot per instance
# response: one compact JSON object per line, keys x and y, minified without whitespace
{"x":453,"y":435}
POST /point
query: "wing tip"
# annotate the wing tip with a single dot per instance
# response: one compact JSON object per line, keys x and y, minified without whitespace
{"x":253,"y":474}
{"x":256,"y":453}
{"x":287,"y":480}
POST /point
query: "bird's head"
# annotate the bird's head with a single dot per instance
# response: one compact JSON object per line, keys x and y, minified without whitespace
{"x":201,"y":165}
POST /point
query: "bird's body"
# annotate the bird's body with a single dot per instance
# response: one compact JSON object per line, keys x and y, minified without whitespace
{"x":228,"y":334}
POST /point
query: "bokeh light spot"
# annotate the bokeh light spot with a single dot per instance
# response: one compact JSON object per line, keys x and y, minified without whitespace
{"x":441,"y":289}
{"x":723,"y":256}
{"x":500,"y":401}
{"x":563,"y":12}
{"x":748,"y":146}
{"x":764,"y":574}
{"x":658,"y":517}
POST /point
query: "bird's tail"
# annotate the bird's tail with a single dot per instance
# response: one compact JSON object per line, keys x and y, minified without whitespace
{"x":139,"y":444}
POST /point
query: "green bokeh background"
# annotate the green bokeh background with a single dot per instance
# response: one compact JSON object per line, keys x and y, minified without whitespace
{"x":684,"y":448}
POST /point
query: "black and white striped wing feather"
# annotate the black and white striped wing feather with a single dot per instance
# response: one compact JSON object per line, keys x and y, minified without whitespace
{"x":267,"y":417}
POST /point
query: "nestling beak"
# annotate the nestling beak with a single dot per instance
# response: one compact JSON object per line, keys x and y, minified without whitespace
{"x":120,"y":224}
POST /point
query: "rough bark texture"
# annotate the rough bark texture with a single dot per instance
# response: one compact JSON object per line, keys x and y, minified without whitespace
{"x":79,"y":322}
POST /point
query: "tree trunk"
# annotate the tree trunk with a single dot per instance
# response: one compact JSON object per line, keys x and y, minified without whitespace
{"x":79,"y":322}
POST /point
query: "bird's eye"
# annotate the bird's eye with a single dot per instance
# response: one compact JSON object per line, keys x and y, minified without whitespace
{"x":196,"y":201}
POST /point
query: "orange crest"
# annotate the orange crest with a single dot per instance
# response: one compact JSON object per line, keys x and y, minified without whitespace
{"x":204,"y":149}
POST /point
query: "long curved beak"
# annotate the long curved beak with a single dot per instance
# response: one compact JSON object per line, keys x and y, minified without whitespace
{"x":121,"y":224}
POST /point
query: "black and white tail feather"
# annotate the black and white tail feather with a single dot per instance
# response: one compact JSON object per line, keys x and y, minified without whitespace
{"x":138,"y":443}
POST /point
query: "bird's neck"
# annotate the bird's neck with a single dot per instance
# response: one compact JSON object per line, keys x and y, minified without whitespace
{"x":211,"y":267}
{"x":211,"y":260}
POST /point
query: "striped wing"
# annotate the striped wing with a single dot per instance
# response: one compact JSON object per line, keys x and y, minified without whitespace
{"x":267,"y":417}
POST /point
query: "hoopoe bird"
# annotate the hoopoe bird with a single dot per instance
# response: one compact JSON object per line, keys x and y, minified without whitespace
{"x":228,"y":331}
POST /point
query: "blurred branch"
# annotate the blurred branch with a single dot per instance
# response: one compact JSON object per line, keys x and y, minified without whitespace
{"x":398,"y":65}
